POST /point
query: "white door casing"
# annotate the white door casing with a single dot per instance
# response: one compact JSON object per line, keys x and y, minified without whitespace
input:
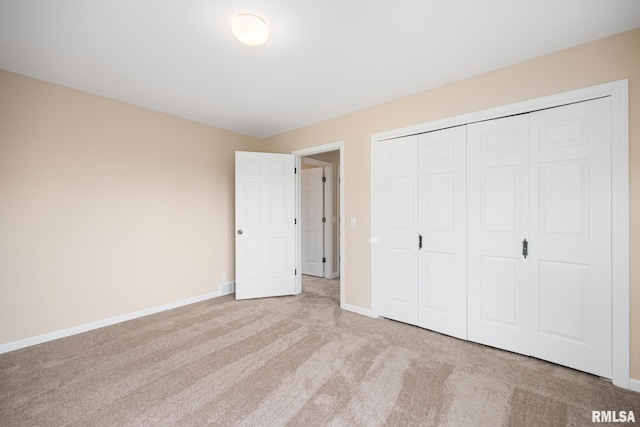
{"x":442,"y":220}
{"x":398,"y":238}
{"x":265,"y":229}
{"x":570,"y":243}
{"x":311,"y":221}
{"x":498,"y":222}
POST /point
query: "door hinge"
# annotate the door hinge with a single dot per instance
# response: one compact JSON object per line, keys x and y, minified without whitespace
{"x":324,"y":259}
{"x":324,"y":179}
{"x":295,"y":221}
{"x":295,"y":272}
{"x":295,"y":171}
{"x":324,"y":219}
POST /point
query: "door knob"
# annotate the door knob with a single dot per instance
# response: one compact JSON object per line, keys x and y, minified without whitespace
{"x":239,"y":231}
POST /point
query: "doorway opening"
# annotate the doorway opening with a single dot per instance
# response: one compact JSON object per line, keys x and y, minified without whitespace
{"x":320,"y":235}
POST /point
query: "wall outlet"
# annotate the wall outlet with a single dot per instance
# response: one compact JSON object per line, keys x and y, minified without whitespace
{"x":223,"y":277}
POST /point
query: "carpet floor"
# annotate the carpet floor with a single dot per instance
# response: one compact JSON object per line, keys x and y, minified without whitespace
{"x":297,"y":361}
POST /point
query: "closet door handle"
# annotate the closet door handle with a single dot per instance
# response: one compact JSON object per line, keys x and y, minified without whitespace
{"x":525,"y":248}
{"x":419,"y":241}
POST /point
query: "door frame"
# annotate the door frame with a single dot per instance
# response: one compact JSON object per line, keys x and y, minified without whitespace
{"x":327,"y":212}
{"x":619,"y":93}
{"x":333,"y":146}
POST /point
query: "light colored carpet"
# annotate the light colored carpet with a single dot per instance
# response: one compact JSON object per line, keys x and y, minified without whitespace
{"x":298,"y":361}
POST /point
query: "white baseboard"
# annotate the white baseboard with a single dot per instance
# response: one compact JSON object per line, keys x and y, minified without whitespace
{"x":27,"y":342}
{"x":634,"y":385}
{"x":358,"y":310}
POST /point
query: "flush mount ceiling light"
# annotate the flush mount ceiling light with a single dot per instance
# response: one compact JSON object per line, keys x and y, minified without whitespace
{"x":250,"y":29}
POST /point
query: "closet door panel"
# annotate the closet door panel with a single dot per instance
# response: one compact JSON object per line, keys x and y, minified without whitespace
{"x":498,"y":222}
{"x":570,"y":250}
{"x":442,"y":225}
{"x":398,"y":229}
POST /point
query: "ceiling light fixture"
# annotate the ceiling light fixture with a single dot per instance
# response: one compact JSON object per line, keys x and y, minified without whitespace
{"x":250,"y":29}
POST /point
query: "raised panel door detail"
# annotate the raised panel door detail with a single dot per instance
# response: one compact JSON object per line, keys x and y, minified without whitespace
{"x":439,"y":197}
{"x":254,"y":258}
{"x":401,"y":269}
{"x":311,"y":245}
{"x":564,"y":133}
{"x":500,"y":198}
{"x":253,"y":202}
{"x":563,"y":300}
{"x":439,"y":152}
{"x":278,"y":255}
{"x":499,"y":143}
{"x":312,"y":205}
{"x":252,"y":167}
{"x":500,"y":285}
{"x":439,"y":282}
{"x":278,"y":168}
{"x":401,"y":203}
{"x":311,"y":179}
{"x":277,"y":202}
{"x":563,"y":197}
{"x":400,"y":157}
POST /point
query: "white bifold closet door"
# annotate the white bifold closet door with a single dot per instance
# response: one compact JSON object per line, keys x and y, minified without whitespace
{"x":498,"y":222}
{"x":570,"y":249}
{"x":499,"y":232}
{"x":442,"y":275}
{"x":398,"y":226}
{"x":422,"y":219}
{"x":544,"y":177}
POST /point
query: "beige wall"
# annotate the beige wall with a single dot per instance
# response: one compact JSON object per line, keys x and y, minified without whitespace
{"x":602,"y":61}
{"x":106,"y":208}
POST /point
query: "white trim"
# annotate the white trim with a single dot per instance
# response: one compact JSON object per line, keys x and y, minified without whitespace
{"x":333,"y":146}
{"x":50,"y":336}
{"x":357,"y":310}
{"x":327,"y":212}
{"x":619,"y":93}
{"x":634,"y":385}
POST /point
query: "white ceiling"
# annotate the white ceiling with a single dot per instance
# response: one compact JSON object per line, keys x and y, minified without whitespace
{"x":324,"y":58}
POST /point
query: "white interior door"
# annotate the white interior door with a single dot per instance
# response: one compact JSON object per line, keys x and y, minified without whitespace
{"x":442,"y":277}
{"x":398,"y":226}
{"x":265,"y":228}
{"x":311,"y":223}
{"x":570,"y":249}
{"x":498,"y":222}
